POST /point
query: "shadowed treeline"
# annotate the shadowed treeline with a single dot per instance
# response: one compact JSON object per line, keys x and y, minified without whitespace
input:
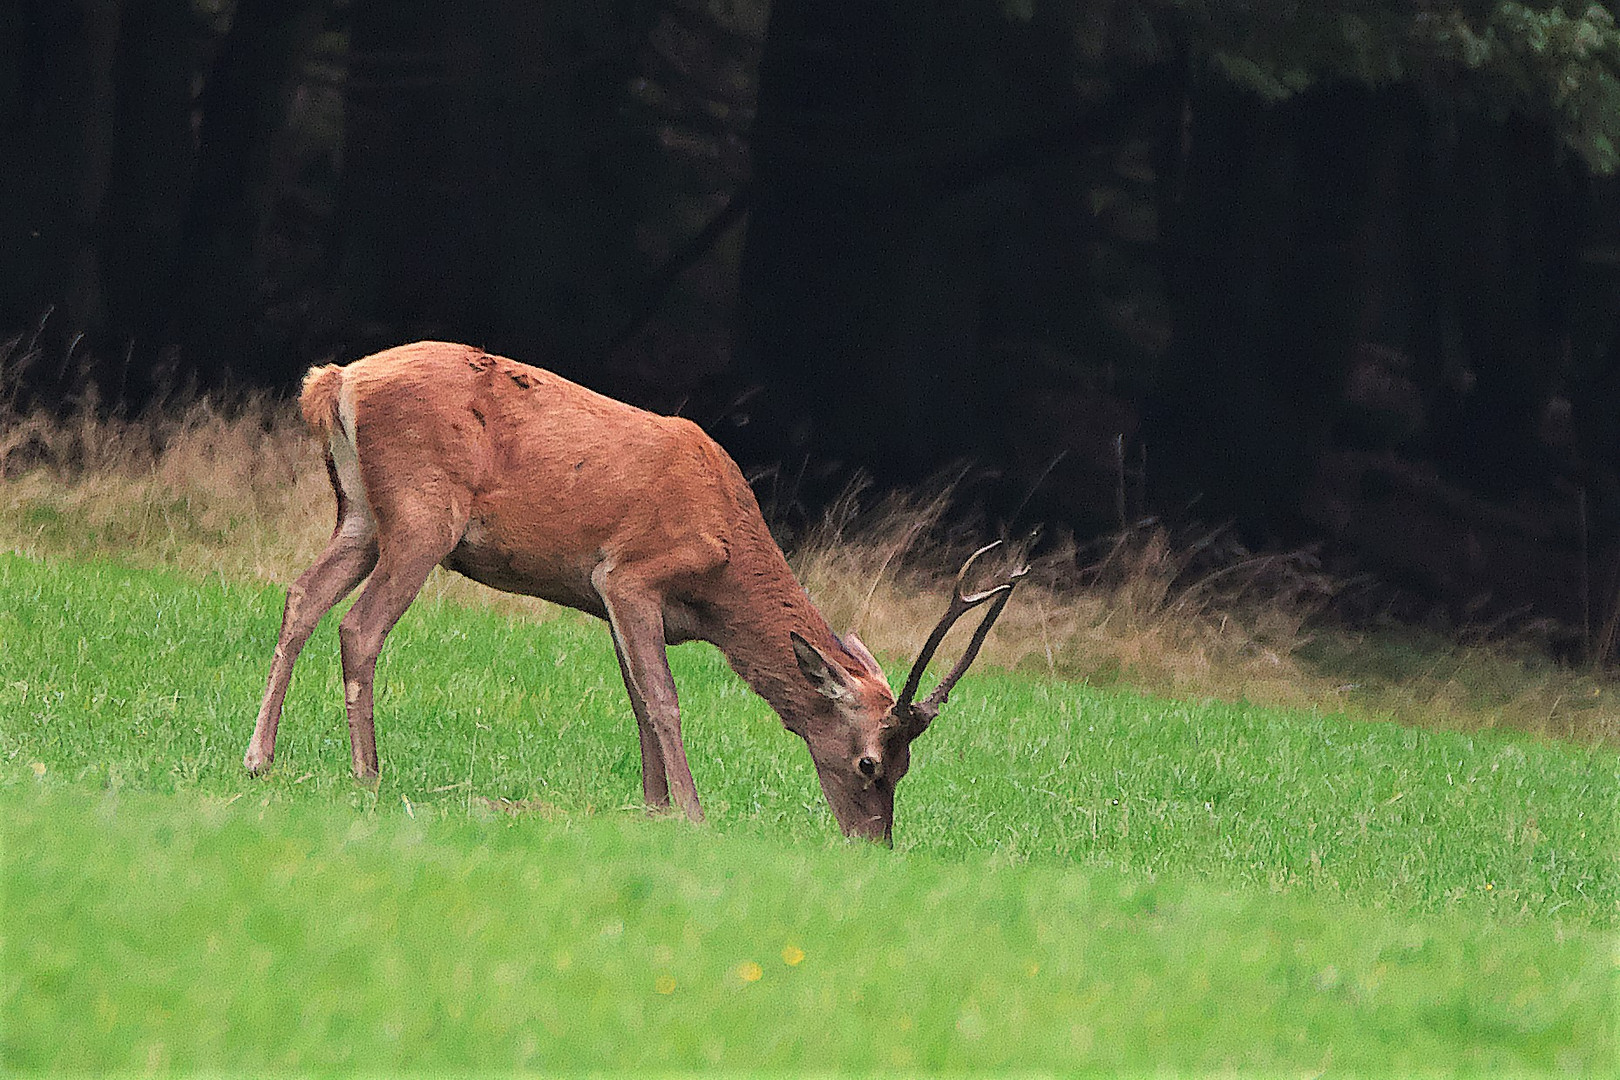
{"x":1346,"y":275}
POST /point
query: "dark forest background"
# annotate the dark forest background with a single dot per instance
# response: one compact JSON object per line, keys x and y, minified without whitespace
{"x":1344,"y":274}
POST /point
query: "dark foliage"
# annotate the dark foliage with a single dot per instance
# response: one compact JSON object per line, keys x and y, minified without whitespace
{"x":1345,"y":274}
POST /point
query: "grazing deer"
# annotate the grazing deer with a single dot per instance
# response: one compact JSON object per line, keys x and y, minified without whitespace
{"x":442,"y":454}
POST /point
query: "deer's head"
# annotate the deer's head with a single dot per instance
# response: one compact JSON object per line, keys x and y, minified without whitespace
{"x":861,"y":739}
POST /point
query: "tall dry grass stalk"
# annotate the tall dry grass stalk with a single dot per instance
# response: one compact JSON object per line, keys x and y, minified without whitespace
{"x":1136,"y":616}
{"x":242,"y":493}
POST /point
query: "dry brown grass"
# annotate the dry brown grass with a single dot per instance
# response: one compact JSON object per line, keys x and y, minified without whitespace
{"x":241,"y":493}
{"x":1135,"y":615}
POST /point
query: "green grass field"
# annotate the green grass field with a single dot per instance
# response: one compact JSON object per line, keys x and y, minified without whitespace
{"x":1083,"y":879}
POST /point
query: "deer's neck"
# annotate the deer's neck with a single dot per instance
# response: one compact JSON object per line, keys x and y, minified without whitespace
{"x":750,"y":623}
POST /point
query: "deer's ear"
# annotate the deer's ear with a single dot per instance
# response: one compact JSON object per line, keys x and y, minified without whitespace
{"x":828,"y":678}
{"x":859,"y":651}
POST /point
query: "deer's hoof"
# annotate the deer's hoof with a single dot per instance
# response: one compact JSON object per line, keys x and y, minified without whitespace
{"x":257,"y":762}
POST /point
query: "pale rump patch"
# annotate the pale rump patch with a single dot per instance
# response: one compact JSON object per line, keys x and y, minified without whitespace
{"x":359,"y":521}
{"x":346,"y":408}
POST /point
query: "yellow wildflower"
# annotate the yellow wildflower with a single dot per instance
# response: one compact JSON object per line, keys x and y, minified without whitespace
{"x":792,"y":955}
{"x":748,"y":971}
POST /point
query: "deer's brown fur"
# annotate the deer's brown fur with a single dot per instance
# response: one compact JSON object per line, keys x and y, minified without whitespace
{"x":522,"y":480}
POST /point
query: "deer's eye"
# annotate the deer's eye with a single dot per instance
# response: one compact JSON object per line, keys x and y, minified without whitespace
{"x":868,"y":767}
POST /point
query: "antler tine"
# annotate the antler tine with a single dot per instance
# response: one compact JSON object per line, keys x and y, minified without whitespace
{"x":959,"y":606}
{"x":936,"y":700}
{"x":961,"y":603}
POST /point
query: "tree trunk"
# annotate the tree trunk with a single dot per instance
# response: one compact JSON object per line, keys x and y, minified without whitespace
{"x":1511,"y":293}
{"x":244,"y":108}
{"x":893,"y":209}
{"x":146,"y":199}
{"x":58,"y":138}
{"x":1271,"y":276}
{"x":490,"y":185}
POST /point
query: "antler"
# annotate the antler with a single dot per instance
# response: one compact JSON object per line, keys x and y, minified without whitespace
{"x":921,"y":714}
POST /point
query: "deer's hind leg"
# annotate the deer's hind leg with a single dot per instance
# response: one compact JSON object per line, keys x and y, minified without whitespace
{"x":348,"y":558}
{"x":409,"y":547}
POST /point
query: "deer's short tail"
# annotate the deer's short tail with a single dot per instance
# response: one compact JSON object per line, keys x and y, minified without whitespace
{"x":322,"y":403}
{"x":319,"y":400}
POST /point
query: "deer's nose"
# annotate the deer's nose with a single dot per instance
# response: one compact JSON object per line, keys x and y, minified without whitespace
{"x":868,"y":766}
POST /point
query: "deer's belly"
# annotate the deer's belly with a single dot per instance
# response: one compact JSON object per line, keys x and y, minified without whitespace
{"x":561,"y":577}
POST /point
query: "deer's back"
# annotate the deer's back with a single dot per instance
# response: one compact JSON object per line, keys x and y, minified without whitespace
{"x":552,"y":478}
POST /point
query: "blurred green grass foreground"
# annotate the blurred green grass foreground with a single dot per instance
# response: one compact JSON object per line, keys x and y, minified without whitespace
{"x":1085,"y":880}
{"x":147,"y":933}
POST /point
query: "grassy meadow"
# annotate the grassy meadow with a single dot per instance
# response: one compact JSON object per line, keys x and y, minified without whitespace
{"x":1147,"y":835}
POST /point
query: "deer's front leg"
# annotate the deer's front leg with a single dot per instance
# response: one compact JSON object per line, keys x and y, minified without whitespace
{"x":636,"y":617}
{"x":654,"y":778}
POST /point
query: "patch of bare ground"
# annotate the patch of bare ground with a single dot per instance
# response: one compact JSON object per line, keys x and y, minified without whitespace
{"x":241,"y":492}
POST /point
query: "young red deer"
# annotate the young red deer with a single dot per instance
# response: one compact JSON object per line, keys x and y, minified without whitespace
{"x":522,"y":480}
